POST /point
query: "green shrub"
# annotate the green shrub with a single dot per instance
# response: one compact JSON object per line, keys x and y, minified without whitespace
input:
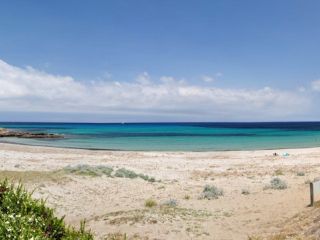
{"x":277,"y":184}
{"x":150,"y":203}
{"x":22,"y":217}
{"x":301,"y":174}
{"x":170,"y":203}
{"x":84,"y":169}
{"x":95,"y":171}
{"x":125,"y":173}
{"x":211,"y":192}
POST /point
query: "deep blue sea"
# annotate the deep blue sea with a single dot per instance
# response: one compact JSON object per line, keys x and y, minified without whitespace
{"x":174,"y":136}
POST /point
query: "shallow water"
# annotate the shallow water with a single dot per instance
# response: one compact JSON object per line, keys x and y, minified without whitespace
{"x":174,"y":136}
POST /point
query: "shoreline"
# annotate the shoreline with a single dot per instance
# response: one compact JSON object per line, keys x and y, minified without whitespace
{"x":157,"y":151}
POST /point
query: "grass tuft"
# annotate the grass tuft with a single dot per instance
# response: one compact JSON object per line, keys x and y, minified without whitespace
{"x":170,"y":203}
{"x":277,"y":184}
{"x":211,"y":192}
{"x":278,"y":172}
{"x":150,"y":203}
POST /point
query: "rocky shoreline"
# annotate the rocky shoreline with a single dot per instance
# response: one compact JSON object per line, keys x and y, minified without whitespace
{"x":21,"y":134}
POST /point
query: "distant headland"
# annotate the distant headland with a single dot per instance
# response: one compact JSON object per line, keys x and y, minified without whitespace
{"x":23,"y":134}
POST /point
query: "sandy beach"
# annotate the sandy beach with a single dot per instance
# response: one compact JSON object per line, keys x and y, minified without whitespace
{"x":114,"y":205}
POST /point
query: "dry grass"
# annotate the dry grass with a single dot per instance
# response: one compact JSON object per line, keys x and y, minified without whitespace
{"x":33,"y":176}
{"x":150,"y":203}
{"x":278,"y":172}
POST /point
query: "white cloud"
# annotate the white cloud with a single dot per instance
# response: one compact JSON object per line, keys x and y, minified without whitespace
{"x":207,"y":79}
{"x":28,"y":90}
{"x":144,"y":78}
{"x":316,"y":85}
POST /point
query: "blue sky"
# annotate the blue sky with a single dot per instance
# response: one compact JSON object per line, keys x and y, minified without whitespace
{"x":202,"y":51}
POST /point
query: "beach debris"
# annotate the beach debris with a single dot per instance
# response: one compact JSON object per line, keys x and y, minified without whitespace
{"x":245,"y":191}
{"x":186,"y":197}
{"x":211,"y":192}
{"x":285,"y":154}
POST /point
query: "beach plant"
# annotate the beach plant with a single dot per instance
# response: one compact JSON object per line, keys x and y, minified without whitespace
{"x":211,"y":192}
{"x":22,"y":217}
{"x":278,"y":172}
{"x":150,"y":203}
{"x":116,"y":236}
{"x":277,"y":184}
{"x":301,"y":174}
{"x":84,"y":169}
{"x":125,"y":173}
{"x":170,"y":203}
{"x":96,"y":171}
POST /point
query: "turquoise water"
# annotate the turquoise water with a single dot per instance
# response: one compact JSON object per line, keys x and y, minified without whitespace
{"x":174,"y":136}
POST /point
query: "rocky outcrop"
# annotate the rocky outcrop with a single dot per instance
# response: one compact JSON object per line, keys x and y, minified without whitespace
{"x":20,"y":134}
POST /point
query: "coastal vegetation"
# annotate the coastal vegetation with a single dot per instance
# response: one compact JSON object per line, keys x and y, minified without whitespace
{"x":84,"y":169}
{"x":150,"y":203}
{"x":211,"y":192}
{"x":22,"y":217}
{"x":277,"y":184}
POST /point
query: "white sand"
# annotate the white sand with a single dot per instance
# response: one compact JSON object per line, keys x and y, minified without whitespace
{"x":113,"y":205}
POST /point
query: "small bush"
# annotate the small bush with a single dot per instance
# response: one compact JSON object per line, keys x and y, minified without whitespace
{"x":277,"y":184}
{"x":150,"y":203}
{"x":83,"y":169}
{"x":125,"y":173}
{"x":301,"y":174}
{"x":170,"y":203}
{"x":22,"y":217}
{"x":278,"y":172}
{"x":211,"y":192}
{"x":95,"y":171}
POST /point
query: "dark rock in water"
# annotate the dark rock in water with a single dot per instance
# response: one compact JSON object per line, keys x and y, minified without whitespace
{"x":19,"y":134}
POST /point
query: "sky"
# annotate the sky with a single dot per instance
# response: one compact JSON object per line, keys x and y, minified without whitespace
{"x":159,"y":61}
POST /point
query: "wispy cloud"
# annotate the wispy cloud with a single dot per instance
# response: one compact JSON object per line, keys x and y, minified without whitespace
{"x":207,"y":79}
{"x":28,"y":89}
{"x":316,"y":85}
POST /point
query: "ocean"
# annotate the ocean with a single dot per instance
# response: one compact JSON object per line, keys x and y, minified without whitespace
{"x":173,"y":136}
